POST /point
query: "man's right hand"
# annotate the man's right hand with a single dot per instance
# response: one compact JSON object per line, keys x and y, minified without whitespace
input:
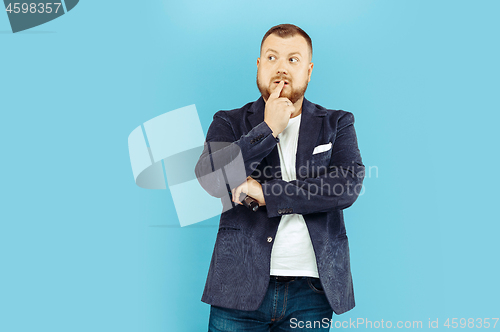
{"x":278,"y":110}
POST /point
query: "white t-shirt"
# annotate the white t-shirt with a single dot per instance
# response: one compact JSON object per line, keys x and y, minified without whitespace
{"x":292,"y":253}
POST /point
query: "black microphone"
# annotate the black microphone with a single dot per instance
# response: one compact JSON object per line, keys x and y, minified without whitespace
{"x":249,"y":202}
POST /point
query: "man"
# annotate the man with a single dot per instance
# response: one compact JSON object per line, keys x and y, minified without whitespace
{"x":285,"y":266}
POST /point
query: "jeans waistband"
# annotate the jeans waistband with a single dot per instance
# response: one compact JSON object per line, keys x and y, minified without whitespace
{"x":285,"y":278}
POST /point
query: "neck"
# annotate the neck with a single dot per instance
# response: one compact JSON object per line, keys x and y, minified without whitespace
{"x":298,"y":107}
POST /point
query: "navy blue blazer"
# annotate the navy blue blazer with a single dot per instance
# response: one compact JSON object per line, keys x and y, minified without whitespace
{"x":327,"y":182}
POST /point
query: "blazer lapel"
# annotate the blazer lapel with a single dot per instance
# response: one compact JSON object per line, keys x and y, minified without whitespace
{"x":309,"y":131}
{"x":256,"y":113}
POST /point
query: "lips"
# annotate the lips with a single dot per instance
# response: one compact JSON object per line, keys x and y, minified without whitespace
{"x":278,"y":82}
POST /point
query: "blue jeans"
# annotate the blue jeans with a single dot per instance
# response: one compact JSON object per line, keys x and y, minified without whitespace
{"x":297,"y":305}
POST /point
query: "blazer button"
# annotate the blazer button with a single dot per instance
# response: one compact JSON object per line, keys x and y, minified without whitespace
{"x":269,"y":239}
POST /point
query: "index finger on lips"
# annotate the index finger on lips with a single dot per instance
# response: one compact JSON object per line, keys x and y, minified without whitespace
{"x":277,"y":91}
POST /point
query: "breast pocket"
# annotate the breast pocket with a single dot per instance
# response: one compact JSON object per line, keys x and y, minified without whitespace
{"x":321,"y":158}
{"x":318,"y":157}
{"x":318,"y":165}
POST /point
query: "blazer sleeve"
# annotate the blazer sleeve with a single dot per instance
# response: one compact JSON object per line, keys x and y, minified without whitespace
{"x":337,"y":188}
{"x":227,"y":160}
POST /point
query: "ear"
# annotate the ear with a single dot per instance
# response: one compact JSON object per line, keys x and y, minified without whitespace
{"x":258,"y":61}
{"x":309,"y":71}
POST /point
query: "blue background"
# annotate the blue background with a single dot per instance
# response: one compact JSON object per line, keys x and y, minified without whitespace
{"x":82,"y":248}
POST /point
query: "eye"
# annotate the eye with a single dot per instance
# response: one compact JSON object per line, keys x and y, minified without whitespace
{"x":294,"y":60}
{"x":271,"y":58}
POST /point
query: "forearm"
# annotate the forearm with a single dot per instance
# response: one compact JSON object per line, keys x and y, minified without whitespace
{"x":312,"y":195}
{"x":225,"y":163}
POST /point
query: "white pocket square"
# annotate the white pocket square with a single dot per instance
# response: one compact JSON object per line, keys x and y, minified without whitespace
{"x":322,"y":148}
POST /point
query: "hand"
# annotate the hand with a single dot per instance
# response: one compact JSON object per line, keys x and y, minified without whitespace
{"x":278,"y":110}
{"x":250,"y":187}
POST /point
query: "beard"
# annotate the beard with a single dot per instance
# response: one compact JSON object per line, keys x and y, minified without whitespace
{"x":294,"y":95}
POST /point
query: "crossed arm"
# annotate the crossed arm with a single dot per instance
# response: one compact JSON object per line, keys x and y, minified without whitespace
{"x":337,"y":188}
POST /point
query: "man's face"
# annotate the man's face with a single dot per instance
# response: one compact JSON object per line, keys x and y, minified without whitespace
{"x":287,"y":59}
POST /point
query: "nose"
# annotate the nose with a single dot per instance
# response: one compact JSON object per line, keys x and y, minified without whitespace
{"x":282,"y":68}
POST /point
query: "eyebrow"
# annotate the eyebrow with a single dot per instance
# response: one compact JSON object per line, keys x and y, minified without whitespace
{"x":274,"y":51}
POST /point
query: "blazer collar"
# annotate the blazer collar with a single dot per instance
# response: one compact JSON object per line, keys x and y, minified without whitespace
{"x":309,"y":131}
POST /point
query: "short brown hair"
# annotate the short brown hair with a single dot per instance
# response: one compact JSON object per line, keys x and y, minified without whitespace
{"x":288,"y":30}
